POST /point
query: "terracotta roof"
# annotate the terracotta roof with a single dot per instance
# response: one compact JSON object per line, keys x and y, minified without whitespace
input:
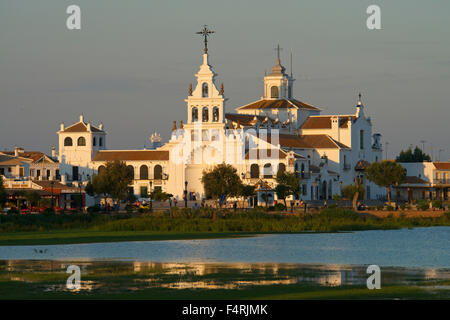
{"x":58,"y":187}
{"x":266,"y":154}
{"x":362,"y":165}
{"x":414,"y":180}
{"x":245,"y":119}
{"x":263,"y":185}
{"x":7,"y":160}
{"x":442,"y":165}
{"x":324,"y":122}
{"x":130,"y":155}
{"x":33,"y":155}
{"x":81,"y":127}
{"x":12,"y":191}
{"x":276,"y":104}
{"x":319,"y":141}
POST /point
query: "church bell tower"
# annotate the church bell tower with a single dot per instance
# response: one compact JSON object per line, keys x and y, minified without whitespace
{"x":205,"y":103}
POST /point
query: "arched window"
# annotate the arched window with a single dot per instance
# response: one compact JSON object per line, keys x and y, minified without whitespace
{"x":100,"y":142}
{"x":205,"y":115}
{"x":296,"y":168}
{"x":131,"y":171}
{"x":194,"y":114}
{"x":205,"y":136}
{"x":268,"y":170}
{"x":100,"y":169}
{"x":254,"y":171}
{"x":215,"y":114}
{"x":274,"y":92}
{"x":81,"y":142}
{"x":157,"y":172}
{"x":67,"y":142}
{"x":205,"y":90}
{"x":303,"y":170}
{"x":330,"y":189}
{"x":143,"y":172}
{"x":281,"y":168}
{"x":94,"y":141}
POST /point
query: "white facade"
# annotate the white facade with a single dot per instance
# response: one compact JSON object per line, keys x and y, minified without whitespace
{"x":327,"y":152}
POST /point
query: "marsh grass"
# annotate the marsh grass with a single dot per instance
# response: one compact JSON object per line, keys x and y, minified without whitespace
{"x":204,"y":221}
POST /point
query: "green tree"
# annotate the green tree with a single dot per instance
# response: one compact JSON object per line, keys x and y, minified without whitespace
{"x":32,"y":198}
{"x":221,"y":181}
{"x":353,"y":192}
{"x":113,"y":181}
{"x":413,"y":156}
{"x":291,"y":180}
{"x":283,"y":191}
{"x":246,"y":192}
{"x":3,"y":195}
{"x":385,"y":174}
{"x":160,"y":195}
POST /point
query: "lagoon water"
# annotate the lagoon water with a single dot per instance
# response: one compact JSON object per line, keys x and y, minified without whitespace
{"x":417,"y":248}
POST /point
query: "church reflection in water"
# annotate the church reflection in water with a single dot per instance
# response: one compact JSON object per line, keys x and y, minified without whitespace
{"x":109,"y":276}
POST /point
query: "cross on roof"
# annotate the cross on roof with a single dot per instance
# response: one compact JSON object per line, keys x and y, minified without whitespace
{"x":278,"y":51}
{"x":205,"y":32}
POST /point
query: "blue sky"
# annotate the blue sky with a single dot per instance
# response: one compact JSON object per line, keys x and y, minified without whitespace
{"x":131,"y":64}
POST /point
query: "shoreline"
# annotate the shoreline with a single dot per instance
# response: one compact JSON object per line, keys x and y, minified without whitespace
{"x":87,"y":237}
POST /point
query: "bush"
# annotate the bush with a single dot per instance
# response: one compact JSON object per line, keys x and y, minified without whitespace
{"x":93,"y":209}
{"x":403,"y":206}
{"x":389,"y":208}
{"x":423,"y":204}
{"x":380,"y":207}
{"x":437,"y":203}
{"x":279,"y":207}
{"x":48,"y":212}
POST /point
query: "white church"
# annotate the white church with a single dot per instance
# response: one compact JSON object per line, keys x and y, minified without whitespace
{"x":276,"y":132}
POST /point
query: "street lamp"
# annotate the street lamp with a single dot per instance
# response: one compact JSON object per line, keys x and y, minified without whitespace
{"x":185,"y":194}
{"x":81,"y":197}
{"x":150,"y":194}
{"x":53,"y":203}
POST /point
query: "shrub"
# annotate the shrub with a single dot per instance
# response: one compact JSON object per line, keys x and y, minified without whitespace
{"x":389,"y":208}
{"x":48,"y":212}
{"x":403,"y":206}
{"x":437,"y":203}
{"x":423,"y":204}
{"x":280,"y":207}
{"x":93,"y":209}
{"x":380,"y":207}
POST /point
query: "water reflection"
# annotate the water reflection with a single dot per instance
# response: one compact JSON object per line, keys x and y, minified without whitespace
{"x":114,"y":276}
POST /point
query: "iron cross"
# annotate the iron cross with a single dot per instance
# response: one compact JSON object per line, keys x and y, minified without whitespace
{"x":278,"y":51}
{"x":205,"y":32}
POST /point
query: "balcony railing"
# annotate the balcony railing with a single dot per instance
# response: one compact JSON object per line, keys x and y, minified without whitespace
{"x":442,"y":181}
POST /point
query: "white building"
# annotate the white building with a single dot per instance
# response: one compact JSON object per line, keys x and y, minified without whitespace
{"x":277,"y":132}
{"x":424,"y":180}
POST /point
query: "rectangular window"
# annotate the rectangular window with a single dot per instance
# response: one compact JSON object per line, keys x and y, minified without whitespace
{"x":75,"y":173}
{"x":361,"y":139}
{"x":2,"y":171}
{"x":38,"y":173}
{"x":144,"y":192}
{"x":21,"y":172}
{"x":304,"y":190}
